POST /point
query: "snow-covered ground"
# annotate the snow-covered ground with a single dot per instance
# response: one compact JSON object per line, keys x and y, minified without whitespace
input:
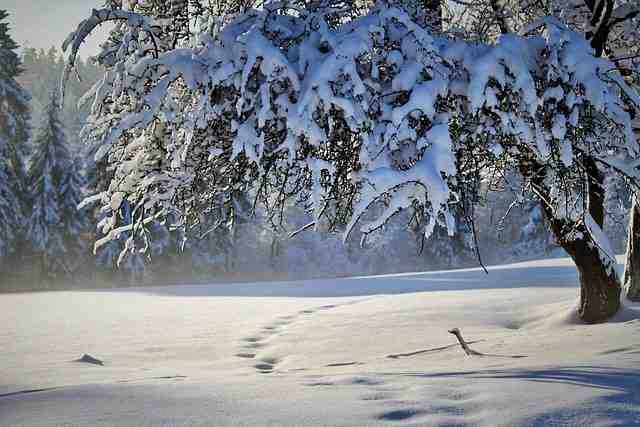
{"x":350,"y":352}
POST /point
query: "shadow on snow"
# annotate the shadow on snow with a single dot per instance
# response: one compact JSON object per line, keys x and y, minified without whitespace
{"x":619,"y":403}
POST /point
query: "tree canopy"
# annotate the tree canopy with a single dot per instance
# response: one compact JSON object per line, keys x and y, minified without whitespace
{"x":357,"y":114}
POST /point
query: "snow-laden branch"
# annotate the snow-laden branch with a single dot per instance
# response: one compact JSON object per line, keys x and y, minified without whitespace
{"x":362,"y":120}
{"x":98,"y":17}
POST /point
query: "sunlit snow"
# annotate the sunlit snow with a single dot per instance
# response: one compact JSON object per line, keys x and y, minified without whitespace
{"x":354,"y":352}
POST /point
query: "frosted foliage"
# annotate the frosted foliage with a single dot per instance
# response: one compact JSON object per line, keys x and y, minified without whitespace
{"x":368,"y":111}
{"x":55,"y":188}
{"x":617,"y":205}
{"x":550,"y":101}
{"x":14,"y":132}
{"x":10,"y":212}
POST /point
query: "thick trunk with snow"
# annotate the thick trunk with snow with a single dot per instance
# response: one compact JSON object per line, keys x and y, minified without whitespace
{"x":599,"y":284}
{"x":632,"y":263}
{"x":600,"y":287}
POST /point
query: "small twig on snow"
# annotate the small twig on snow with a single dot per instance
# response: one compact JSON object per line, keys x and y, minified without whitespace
{"x":463,"y":343}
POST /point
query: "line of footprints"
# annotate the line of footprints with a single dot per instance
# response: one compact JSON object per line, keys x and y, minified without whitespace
{"x":396,"y":403}
{"x":252,"y":345}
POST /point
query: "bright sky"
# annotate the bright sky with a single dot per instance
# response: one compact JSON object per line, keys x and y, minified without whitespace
{"x":46,"y":23}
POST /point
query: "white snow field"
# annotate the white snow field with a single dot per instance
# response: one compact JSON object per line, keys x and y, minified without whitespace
{"x":363,"y":351}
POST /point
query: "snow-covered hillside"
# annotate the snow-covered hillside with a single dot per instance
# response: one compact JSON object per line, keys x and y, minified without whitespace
{"x":350,"y":352}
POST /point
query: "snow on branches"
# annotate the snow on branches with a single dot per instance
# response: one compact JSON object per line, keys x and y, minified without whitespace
{"x":14,"y":132}
{"x":357,"y":118}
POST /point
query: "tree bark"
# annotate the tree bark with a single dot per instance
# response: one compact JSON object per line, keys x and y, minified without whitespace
{"x":601,"y":12}
{"x":600,"y":287}
{"x":599,"y":284}
{"x":632,"y":264}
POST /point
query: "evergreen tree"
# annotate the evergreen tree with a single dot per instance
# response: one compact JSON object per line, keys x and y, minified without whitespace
{"x":42,"y":70}
{"x":55,"y":225}
{"x":14,"y":132}
{"x":74,"y":221}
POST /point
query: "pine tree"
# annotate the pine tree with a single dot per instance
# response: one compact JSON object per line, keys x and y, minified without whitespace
{"x":55,"y":225}
{"x":74,"y":221}
{"x":14,"y":132}
{"x":42,"y":70}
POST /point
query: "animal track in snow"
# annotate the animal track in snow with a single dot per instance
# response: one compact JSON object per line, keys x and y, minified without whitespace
{"x":377,"y":395}
{"x":425,"y":404}
{"x":444,"y":410}
{"x":246,"y":355}
{"x":266,"y":365}
{"x":250,"y":345}
{"x":400,"y":414}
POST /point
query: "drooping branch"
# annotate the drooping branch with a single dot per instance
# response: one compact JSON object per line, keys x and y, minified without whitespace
{"x":86,"y":27}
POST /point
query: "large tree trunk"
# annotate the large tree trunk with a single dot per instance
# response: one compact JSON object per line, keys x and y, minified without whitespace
{"x":599,"y":284}
{"x":632,"y":264}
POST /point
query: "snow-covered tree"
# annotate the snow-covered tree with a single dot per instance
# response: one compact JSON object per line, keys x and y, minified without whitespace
{"x":632,"y":262}
{"x":42,"y":74}
{"x":54,"y":225}
{"x":43,"y":228}
{"x":617,"y":206}
{"x":74,"y":221}
{"x":361,"y":118}
{"x":612,"y":28}
{"x":14,"y":133}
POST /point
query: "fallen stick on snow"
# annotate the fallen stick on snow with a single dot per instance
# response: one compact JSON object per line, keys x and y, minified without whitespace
{"x":463,"y":343}
{"x":426,"y":350}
